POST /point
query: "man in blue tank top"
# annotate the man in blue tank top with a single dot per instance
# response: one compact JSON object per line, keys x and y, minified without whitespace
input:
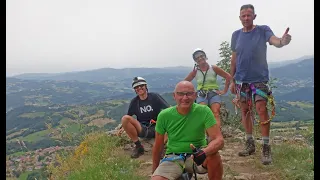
{"x":249,"y":68}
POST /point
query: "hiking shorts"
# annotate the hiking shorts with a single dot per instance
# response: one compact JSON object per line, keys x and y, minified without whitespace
{"x":172,"y":170}
{"x":245,"y":88}
{"x":214,"y":98}
{"x":147,"y":131}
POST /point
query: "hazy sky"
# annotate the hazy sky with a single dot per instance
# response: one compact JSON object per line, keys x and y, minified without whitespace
{"x":73,"y":35}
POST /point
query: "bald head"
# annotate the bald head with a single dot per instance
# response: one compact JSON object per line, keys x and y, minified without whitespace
{"x":184,"y":85}
{"x":184,"y":94}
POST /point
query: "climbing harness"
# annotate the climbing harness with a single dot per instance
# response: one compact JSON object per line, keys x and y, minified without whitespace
{"x":151,"y":122}
{"x":206,"y":94}
{"x":250,"y":100}
{"x":183,"y":157}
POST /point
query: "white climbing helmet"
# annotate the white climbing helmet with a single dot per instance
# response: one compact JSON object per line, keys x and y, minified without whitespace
{"x":197,"y":53}
{"x":137,"y":81}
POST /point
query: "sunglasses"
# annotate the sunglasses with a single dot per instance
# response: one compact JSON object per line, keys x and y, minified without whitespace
{"x":188,"y":94}
{"x":140,"y":86}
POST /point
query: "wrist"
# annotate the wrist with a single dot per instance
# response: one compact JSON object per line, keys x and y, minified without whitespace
{"x":281,"y":45}
{"x":205,"y":150}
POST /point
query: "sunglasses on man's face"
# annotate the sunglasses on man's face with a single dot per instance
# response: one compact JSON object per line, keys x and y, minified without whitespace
{"x":188,"y":94}
{"x":138,"y":87}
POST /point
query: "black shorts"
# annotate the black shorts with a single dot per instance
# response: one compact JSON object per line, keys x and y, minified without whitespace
{"x":147,"y":131}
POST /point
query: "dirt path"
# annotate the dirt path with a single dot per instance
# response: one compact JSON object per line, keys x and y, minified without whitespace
{"x":235,"y":167}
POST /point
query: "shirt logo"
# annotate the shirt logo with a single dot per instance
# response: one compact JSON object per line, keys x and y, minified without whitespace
{"x":146,"y":109}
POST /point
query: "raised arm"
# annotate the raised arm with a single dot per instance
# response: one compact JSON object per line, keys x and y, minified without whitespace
{"x":276,"y":41}
{"x":223,"y":74}
{"x":191,"y":75}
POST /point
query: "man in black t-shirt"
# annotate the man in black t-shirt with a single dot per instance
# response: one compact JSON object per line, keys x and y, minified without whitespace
{"x":146,"y":106}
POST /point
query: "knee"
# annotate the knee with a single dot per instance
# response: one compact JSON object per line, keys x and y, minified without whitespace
{"x":244,"y":109}
{"x":214,"y":161}
{"x":261,"y":107}
{"x":125,"y":119}
{"x":214,"y":158}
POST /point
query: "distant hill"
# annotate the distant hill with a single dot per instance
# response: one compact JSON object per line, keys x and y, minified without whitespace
{"x":287,"y":62}
{"x":108,"y":83}
{"x":302,"y":94}
{"x":105,"y":74}
{"x":300,"y":70}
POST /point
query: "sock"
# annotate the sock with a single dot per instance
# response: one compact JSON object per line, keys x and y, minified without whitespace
{"x":265,"y":139}
{"x":138,"y":143}
{"x":248,"y":136}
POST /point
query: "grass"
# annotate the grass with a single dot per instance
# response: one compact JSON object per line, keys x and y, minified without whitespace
{"x":97,"y":157}
{"x":24,"y":175}
{"x":35,"y":136}
{"x":73,"y":128}
{"x":290,"y":162}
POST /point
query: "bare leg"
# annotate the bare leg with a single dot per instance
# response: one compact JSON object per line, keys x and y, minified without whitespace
{"x":261,"y":107}
{"x":214,"y":166}
{"x":131,"y":126}
{"x":215,"y":108}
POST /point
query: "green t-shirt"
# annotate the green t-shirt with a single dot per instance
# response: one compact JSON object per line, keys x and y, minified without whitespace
{"x":184,"y":130}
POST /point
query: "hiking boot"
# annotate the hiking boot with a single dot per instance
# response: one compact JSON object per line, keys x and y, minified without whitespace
{"x":137,"y":152}
{"x":249,"y":149}
{"x":266,"y":154}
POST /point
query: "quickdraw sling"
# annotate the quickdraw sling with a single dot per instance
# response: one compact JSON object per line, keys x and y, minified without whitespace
{"x":250,"y":100}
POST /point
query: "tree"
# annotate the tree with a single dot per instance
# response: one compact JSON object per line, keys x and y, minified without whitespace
{"x":225,"y":54}
{"x":224,"y":63}
{"x":272,"y":83}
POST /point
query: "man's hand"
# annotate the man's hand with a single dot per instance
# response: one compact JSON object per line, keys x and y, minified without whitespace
{"x":198,"y":155}
{"x":286,"y":38}
{"x":233,"y":88}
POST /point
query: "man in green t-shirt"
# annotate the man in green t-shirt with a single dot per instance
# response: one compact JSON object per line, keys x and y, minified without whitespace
{"x":186,"y":125}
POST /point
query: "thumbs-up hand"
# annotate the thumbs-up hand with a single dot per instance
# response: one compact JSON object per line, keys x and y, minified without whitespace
{"x":286,"y":38}
{"x":198,"y":155}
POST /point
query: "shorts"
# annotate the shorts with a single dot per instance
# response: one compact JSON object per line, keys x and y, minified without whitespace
{"x":173,"y":170}
{"x":147,"y":131}
{"x":245,"y":88}
{"x":214,"y":98}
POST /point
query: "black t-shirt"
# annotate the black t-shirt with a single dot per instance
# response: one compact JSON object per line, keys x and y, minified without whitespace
{"x":147,"y":109}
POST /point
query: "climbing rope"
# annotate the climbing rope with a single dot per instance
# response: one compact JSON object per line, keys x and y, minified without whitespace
{"x":251,"y":105}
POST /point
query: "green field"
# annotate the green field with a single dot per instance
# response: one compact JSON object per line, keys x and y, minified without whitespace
{"x":73,"y":128}
{"x":33,"y":137}
{"x":301,"y":104}
{"x":33,"y":115}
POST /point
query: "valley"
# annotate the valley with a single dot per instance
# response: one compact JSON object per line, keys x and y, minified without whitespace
{"x":48,"y":113}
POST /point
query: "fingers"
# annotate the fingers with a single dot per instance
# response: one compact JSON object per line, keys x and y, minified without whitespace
{"x":287,"y":30}
{"x":192,"y":147}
